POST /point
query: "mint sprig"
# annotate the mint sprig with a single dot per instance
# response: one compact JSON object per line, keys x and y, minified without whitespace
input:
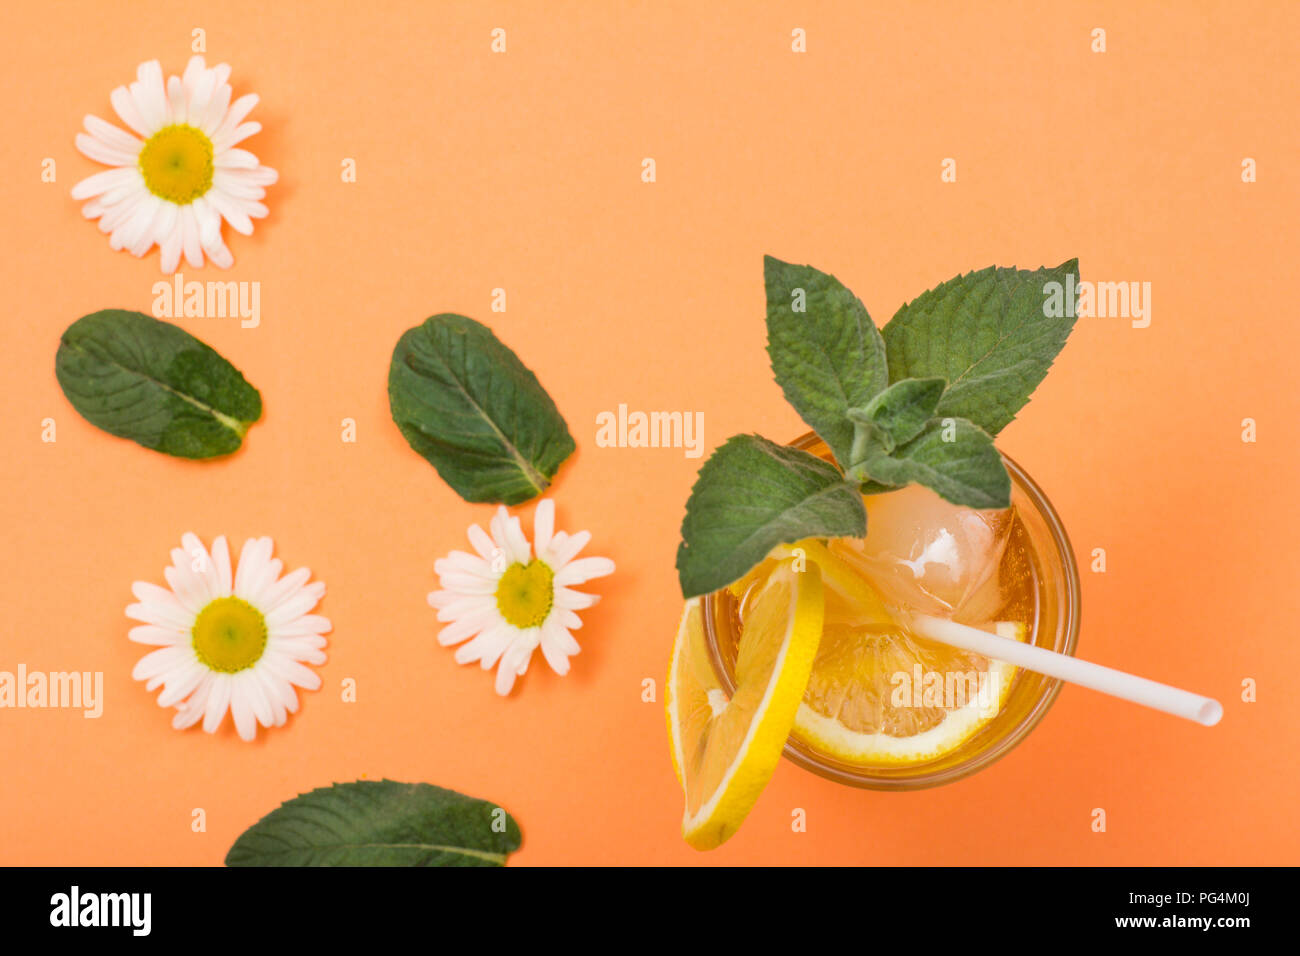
{"x":919,"y":404}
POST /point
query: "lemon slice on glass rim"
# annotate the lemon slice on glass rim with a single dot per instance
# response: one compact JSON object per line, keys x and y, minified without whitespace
{"x":724,"y":749}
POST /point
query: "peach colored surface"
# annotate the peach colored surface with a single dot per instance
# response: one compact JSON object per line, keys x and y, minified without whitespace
{"x":522,"y":171}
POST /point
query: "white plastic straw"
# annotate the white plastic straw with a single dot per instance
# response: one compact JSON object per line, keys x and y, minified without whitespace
{"x":1139,"y":690}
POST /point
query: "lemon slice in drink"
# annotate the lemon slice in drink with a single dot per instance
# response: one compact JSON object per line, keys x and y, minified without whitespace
{"x":841,"y":579}
{"x":859,"y":708}
{"x":725,"y":750}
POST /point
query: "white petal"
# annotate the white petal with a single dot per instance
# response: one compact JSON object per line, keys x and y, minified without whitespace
{"x":115,"y":214}
{"x":287,"y":587}
{"x":261,"y":176}
{"x":495,"y":642}
{"x":111,"y":135}
{"x":303,"y":649}
{"x":235,"y":114}
{"x":460,"y":561}
{"x":291,"y":671}
{"x":568,"y":599}
{"x":308,"y":625}
{"x":221,"y":564}
{"x":185,"y":585}
{"x":124,"y":103}
{"x":505,"y":680}
{"x":543,"y":526}
{"x":143,"y":240}
{"x":214,"y":711}
{"x":235,"y":159}
{"x":190,"y":243}
{"x":189,"y":713}
{"x":258,"y":700}
{"x":150,"y":95}
{"x":141,"y":216}
{"x":241,"y":709}
{"x":240,"y":133}
{"x":217,"y":251}
{"x":553,"y":649}
{"x":296,"y":606}
{"x":158,"y":606}
{"x":153,"y":634}
{"x":194,"y":70}
{"x":441,"y":599}
{"x":176,"y":108}
{"x":181,"y":684}
{"x":218,"y":104}
{"x":209,"y":221}
{"x":482,"y":542}
{"x":170,"y":249}
{"x":487,"y":647}
{"x":101,"y":152}
{"x":206,"y":570}
{"x":584,"y":569}
{"x":467,"y":584}
{"x":279,"y":695}
{"x":564,"y":550}
{"x":160,"y":662}
{"x":237,"y":186}
{"x":102,"y":182}
{"x":465,"y":627}
{"x":519,"y":549}
{"x":465,"y":604}
{"x":199,"y":96}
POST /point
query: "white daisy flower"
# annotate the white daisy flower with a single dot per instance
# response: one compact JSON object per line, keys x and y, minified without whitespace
{"x":229,"y":642}
{"x":510,"y":602}
{"x":180,"y":174}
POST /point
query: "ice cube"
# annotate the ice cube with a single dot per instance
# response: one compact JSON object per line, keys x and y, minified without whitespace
{"x":928,"y":555}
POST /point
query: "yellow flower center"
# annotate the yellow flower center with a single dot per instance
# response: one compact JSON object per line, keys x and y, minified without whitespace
{"x":229,"y":635}
{"x":525,"y":593}
{"x":177,"y":163}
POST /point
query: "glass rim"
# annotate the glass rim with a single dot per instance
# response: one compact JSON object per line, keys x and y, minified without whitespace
{"x":805,"y":757}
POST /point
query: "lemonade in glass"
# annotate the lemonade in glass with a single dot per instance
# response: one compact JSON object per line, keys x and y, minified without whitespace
{"x":884,"y":707}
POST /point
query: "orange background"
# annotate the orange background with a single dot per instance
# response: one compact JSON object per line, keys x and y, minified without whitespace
{"x":522,"y":171}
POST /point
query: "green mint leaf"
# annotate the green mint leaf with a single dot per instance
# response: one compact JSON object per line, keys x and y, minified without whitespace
{"x":752,"y":495}
{"x":379,"y":823}
{"x":154,"y":383}
{"x":900,"y":412}
{"x":952,"y":457}
{"x":991,"y":334}
{"x":827,"y":354}
{"x":469,"y":406}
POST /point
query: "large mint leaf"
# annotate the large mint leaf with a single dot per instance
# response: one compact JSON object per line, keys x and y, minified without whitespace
{"x":988,"y":334}
{"x":952,"y":457}
{"x":828,"y":358}
{"x":752,"y":495}
{"x":154,"y":383}
{"x":379,"y":823}
{"x":468,"y":405}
